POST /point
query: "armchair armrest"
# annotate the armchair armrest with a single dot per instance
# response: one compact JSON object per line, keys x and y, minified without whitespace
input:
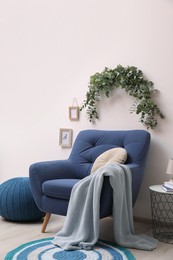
{"x":43,"y":171}
{"x":58,"y":169}
{"x":137,"y":176}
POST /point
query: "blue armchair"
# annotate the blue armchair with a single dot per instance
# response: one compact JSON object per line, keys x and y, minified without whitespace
{"x":52,"y":181}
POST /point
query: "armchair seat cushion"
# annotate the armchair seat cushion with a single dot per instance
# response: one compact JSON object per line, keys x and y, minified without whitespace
{"x":59,"y":188}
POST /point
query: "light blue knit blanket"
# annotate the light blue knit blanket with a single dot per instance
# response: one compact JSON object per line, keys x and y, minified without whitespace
{"x":81,"y":227}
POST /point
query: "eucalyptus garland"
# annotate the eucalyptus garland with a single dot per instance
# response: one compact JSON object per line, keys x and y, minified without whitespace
{"x":134,"y":83}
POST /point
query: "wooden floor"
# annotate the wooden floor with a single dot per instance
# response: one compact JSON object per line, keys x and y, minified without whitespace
{"x":14,"y":234}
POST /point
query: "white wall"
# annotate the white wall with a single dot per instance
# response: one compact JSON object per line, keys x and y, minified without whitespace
{"x":49,"y":49}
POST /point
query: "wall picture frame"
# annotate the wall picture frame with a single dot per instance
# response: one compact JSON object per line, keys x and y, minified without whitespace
{"x":65,"y":137}
{"x":74,"y":113}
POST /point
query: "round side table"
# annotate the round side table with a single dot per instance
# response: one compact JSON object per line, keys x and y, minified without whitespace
{"x":162,"y":213}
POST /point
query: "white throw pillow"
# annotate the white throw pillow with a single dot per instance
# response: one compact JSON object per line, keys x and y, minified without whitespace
{"x":118,"y":155}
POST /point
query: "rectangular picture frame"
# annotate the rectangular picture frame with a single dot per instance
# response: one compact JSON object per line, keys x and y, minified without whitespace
{"x":74,"y":113}
{"x":65,"y":137}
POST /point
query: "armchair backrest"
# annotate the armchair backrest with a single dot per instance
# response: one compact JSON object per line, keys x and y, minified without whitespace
{"x":89,"y":144}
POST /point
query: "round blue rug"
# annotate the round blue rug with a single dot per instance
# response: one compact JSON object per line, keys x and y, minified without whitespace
{"x":43,"y":249}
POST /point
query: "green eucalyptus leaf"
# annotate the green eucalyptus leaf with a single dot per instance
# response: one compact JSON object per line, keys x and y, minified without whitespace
{"x":135,"y":84}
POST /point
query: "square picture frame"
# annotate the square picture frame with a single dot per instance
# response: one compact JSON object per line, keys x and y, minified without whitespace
{"x":74,"y":113}
{"x":65,"y":137}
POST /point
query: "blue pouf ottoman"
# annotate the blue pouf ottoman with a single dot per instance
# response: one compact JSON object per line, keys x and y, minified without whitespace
{"x":16,"y":201}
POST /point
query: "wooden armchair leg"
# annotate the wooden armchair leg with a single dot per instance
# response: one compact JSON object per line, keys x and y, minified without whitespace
{"x":45,"y":222}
